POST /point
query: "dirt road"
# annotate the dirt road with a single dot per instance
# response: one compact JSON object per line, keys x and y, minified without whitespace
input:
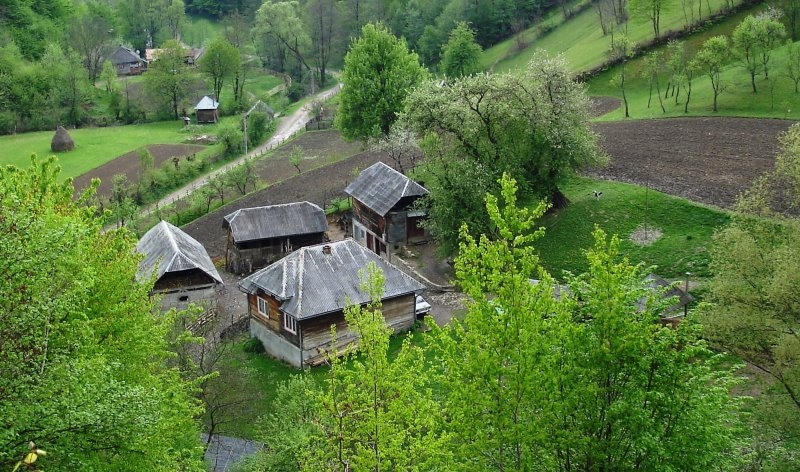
{"x":287,"y":127}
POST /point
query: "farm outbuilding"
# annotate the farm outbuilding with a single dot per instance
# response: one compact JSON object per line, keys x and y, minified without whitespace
{"x":207,"y":110}
{"x":260,"y":236}
{"x":127,"y":61}
{"x":183,"y":270}
{"x":383,"y":208}
{"x":293,"y":303}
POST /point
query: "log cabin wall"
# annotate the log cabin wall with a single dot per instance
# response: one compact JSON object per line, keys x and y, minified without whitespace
{"x":371,"y":220}
{"x":398,"y":313}
{"x":249,"y":256}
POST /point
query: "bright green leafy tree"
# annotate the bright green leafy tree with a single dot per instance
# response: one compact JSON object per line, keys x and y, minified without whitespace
{"x":82,"y":370}
{"x":533,"y":125}
{"x":756,"y":262}
{"x":167,"y":80}
{"x":376,"y":413}
{"x":461,"y":53}
{"x":379,"y":72}
{"x":219,"y":62}
{"x":710,"y":60}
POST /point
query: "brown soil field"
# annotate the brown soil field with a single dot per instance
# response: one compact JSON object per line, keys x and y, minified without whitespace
{"x":128,"y":164}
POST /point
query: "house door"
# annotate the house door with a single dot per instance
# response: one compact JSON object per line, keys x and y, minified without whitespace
{"x":370,"y":242}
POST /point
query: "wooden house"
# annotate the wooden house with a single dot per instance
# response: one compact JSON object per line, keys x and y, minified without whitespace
{"x":294,"y":302}
{"x":260,"y":236}
{"x":207,"y":110}
{"x":383,"y":213}
{"x":127,"y":61}
{"x":184,"y":273}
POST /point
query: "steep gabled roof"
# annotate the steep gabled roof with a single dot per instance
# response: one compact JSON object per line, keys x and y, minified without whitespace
{"x":311,"y":282}
{"x":167,"y":248}
{"x":276,"y":221}
{"x":380,"y":187}
{"x":207,"y":103}
{"x":124,"y":55}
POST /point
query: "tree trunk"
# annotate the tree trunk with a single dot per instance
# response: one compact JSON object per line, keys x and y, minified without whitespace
{"x":558,"y":199}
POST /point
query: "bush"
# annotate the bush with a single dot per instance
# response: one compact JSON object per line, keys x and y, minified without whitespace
{"x":257,"y":127}
{"x":231,"y":138}
{"x":253,"y":346}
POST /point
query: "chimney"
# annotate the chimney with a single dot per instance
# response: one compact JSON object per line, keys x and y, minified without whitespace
{"x":326,"y":249}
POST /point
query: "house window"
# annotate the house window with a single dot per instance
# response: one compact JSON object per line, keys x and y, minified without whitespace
{"x":263,"y":309}
{"x":289,"y":323}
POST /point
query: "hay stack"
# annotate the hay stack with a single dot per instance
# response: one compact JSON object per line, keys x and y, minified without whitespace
{"x":62,"y":141}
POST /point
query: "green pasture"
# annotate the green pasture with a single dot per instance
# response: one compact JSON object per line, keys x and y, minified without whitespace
{"x":93,"y":146}
{"x":686,"y":228}
{"x":775,"y":98}
{"x":581,"y":40}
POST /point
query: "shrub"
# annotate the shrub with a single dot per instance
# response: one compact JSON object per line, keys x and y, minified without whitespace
{"x":253,"y":346}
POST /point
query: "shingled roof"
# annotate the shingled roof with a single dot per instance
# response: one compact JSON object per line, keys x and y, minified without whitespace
{"x":380,"y":187}
{"x":125,"y":55}
{"x":313,"y":281}
{"x":167,"y":248}
{"x":276,"y":221}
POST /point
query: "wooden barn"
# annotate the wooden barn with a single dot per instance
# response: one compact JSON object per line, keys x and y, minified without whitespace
{"x":127,"y":61}
{"x":260,"y":236}
{"x":293,"y":302}
{"x":184,"y":273}
{"x":207,"y":110}
{"x":383,"y":213}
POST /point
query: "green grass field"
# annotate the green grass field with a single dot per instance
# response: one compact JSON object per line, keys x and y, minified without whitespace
{"x":199,"y":31}
{"x":687,"y":228}
{"x":776,"y":97}
{"x":581,"y":41}
{"x":93,"y":146}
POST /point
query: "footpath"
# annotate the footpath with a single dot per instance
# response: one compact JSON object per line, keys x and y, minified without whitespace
{"x":287,"y":127}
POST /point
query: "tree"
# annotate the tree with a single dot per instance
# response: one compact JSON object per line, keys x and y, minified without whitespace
{"x":220,"y":61}
{"x":653,"y":64}
{"x":82,"y":368}
{"x":236,"y":30}
{"x":621,"y":50}
{"x":710,"y":60}
{"x":745,"y":43}
{"x":90,"y":35}
{"x":754,"y":291}
{"x":378,"y":74}
{"x":533,"y":125}
{"x":681,"y":71}
{"x":792,"y":64}
{"x":650,"y":9}
{"x":400,"y":146}
{"x":583,"y":380}
{"x":769,"y":33}
{"x":175,"y":17}
{"x":280,"y":22}
{"x":322,"y":16}
{"x":166,"y":80}
{"x":461,"y":54}
{"x":791,"y":15}
{"x":376,"y":413}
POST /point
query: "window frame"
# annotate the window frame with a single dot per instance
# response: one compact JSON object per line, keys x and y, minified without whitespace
{"x":259,"y":302}
{"x":290,"y":323}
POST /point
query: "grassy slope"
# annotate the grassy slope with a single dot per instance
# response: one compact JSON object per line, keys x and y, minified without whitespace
{"x":687,"y":228}
{"x":581,"y":41}
{"x":775,"y":98}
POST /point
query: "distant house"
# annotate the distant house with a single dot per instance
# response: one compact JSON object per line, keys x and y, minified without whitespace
{"x":184,"y":272}
{"x":190,"y":55}
{"x":207,"y":110}
{"x":383,"y":212}
{"x":260,"y":236}
{"x":127,"y":62}
{"x":294,"y":302}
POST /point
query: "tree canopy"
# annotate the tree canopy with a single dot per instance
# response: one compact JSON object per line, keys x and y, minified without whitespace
{"x":379,"y":72}
{"x":533,"y":126}
{"x":82,"y":370}
{"x":461,"y":53}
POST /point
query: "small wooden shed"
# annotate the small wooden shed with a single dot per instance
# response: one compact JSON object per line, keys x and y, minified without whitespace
{"x":207,"y":110}
{"x":260,"y":236}
{"x":293,"y":303}
{"x":383,"y":212}
{"x":184,"y":272}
